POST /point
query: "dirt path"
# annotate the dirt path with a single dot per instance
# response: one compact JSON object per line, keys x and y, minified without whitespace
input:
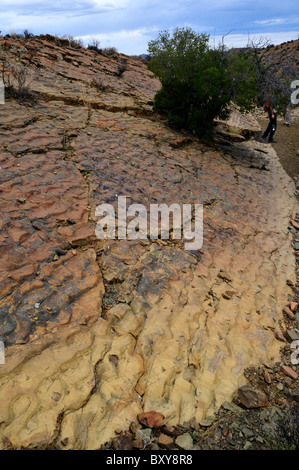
{"x":287,"y":145}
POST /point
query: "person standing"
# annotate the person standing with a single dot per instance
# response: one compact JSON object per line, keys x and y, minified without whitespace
{"x":271,"y":128}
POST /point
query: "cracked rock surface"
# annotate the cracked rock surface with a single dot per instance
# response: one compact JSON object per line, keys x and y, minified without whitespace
{"x":97,"y":332}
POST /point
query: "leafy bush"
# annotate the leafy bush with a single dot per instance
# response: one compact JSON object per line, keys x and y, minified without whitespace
{"x":198,"y":83}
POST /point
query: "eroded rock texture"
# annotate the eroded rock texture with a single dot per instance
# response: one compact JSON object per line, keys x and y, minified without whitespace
{"x":97,"y":332}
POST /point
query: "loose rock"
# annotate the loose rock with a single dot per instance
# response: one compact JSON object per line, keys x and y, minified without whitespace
{"x":290,"y":372}
{"x":151,"y":419}
{"x":184,"y":441}
{"x":122,"y":443}
{"x":252,"y":398}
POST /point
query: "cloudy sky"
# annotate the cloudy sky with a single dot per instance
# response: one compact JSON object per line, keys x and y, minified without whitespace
{"x":128,"y":25}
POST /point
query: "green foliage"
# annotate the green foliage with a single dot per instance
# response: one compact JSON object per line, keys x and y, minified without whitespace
{"x":198,"y":83}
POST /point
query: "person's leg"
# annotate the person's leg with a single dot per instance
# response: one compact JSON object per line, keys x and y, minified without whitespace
{"x":272,"y":132}
{"x":267,"y":131}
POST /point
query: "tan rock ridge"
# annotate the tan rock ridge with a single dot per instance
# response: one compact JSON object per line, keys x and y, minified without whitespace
{"x":98,"y":332}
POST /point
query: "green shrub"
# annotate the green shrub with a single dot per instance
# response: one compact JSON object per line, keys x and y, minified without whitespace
{"x":198,"y":83}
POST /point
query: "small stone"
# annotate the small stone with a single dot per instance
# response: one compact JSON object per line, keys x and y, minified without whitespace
{"x":282,"y":401}
{"x":247,"y":432}
{"x":71,"y":222}
{"x":247,"y":445}
{"x":138,"y":443}
{"x":295,"y":224}
{"x":294,"y":306}
{"x":280,"y":336}
{"x":267,"y":377}
{"x":170,"y":430}
{"x":275,"y":411}
{"x":289,"y":313}
{"x":292,"y":336}
{"x":207,"y":422}
{"x":290,"y":372}
{"x":230,"y":406}
{"x":252,"y":398}
{"x":145,"y":435}
{"x":265,"y":415}
{"x":60,"y":252}
{"x":151,"y":419}
{"x":122,"y":443}
{"x":280,"y":386}
{"x":184,"y":441}
{"x":267,"y":429}
{"x":165,"y":441}
{"x":22,"y":200}
{"x":287,"y":381}
{"x":134,"y":427}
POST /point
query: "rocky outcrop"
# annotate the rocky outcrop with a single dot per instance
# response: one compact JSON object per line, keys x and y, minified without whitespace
{"x":98,"y":332}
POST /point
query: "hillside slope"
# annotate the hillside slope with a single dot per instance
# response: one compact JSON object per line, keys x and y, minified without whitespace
{"x":97,"y":331}
{"x":283,"y":53}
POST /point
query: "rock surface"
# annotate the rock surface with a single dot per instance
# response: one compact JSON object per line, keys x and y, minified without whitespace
{"x":252,"y":398}
{"x":97,"y":332}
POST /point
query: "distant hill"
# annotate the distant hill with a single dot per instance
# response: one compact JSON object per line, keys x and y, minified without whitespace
{"x":287,"y":52}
